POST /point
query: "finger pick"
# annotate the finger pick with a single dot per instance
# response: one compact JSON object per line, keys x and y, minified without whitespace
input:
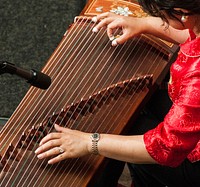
{"x":95,"y":30}
{"x":94,"y":19}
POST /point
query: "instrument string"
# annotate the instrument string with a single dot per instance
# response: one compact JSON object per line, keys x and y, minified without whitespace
{"x":95,"y":67}
{"x":100,"y":80}
{"x":101,"y":121}
{"x":34,"y":90}
{"x":90,"y":69}
{"x":122,"y":107}
{"x":77,"y":169}
{"x":18,"y":128}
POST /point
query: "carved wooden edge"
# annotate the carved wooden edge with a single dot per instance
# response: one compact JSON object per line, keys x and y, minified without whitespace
{"x":90,"y":8}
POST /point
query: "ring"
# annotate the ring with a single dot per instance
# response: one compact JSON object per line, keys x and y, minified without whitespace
{"x":61,"y":150}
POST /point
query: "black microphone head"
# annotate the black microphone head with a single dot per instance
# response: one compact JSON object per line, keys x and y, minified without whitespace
{"x":40,"y":80}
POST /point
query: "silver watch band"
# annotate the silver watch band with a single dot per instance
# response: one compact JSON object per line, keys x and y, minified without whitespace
{"x":95,"y":138}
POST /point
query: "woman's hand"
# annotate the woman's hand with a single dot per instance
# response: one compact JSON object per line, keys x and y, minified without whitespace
{"x":63,"y":144}
{"x":130,"y":26}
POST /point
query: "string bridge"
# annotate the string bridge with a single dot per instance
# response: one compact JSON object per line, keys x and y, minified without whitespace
{"x":98,"y":99}
{"x":85,"y":106}
{"x":25,"y":144}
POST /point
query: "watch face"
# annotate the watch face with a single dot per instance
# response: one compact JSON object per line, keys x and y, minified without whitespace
{"x":95,"y":136}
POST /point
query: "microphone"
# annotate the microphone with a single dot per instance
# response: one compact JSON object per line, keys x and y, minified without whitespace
{"x":35,"y":78}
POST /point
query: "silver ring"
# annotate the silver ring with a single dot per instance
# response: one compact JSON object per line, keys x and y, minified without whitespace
{"x":61,"y":150}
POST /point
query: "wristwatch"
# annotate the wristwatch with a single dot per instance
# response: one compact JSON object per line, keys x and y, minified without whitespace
{"x":95,"y":138}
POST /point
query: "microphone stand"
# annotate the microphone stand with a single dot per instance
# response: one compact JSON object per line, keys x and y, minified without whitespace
{"x":33,"y":77}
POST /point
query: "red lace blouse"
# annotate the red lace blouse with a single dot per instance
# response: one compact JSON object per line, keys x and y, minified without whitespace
{"x":178,"y":136}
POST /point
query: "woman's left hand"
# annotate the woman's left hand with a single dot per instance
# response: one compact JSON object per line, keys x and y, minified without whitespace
{"x":63,"y":144}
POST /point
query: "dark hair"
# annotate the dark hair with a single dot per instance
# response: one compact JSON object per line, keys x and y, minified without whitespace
{"x":155,"y":7}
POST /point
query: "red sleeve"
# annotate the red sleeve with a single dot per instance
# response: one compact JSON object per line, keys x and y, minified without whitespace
{"x":173,"y":139}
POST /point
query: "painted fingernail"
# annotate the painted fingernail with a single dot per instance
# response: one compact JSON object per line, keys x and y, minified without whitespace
{"x":114,"y":43}
{"x":95,"y":30}
{"x":94,"y":19}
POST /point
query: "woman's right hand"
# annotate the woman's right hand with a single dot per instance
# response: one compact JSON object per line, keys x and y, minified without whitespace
{"x":130,"y":26}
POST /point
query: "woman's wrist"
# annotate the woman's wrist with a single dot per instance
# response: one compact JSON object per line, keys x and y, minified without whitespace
{"x":147,"y":24}
{"x":95,"y":137}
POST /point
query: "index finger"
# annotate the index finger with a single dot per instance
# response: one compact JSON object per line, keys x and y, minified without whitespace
{"x":103,"y":20}
{"x":104,"y":23}
{"x":50,"y":137}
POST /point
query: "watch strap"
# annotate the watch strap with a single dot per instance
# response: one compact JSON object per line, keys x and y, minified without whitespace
{"x":95,"y":138}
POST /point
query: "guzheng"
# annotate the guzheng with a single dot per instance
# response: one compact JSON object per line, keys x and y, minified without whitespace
{"x":95,"y":88}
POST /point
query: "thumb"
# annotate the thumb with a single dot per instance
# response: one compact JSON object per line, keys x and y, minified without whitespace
{"x":122,"y":38}
{"x":119,"y":40}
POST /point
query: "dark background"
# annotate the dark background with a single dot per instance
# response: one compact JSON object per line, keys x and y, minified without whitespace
{"x":30,"y":30}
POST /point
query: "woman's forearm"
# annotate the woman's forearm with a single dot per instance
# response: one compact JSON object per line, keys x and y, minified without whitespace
{"x":157,"y":27}
{"x":125,"y":148}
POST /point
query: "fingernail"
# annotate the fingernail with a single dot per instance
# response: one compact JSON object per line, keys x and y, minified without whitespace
{"x":94,"y":19}
{"x":114,"y":43}
{"x":39,"y":156}
{"x":95,"y":30}
{"x":49,"y":162}
{"x":37,"y":150}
